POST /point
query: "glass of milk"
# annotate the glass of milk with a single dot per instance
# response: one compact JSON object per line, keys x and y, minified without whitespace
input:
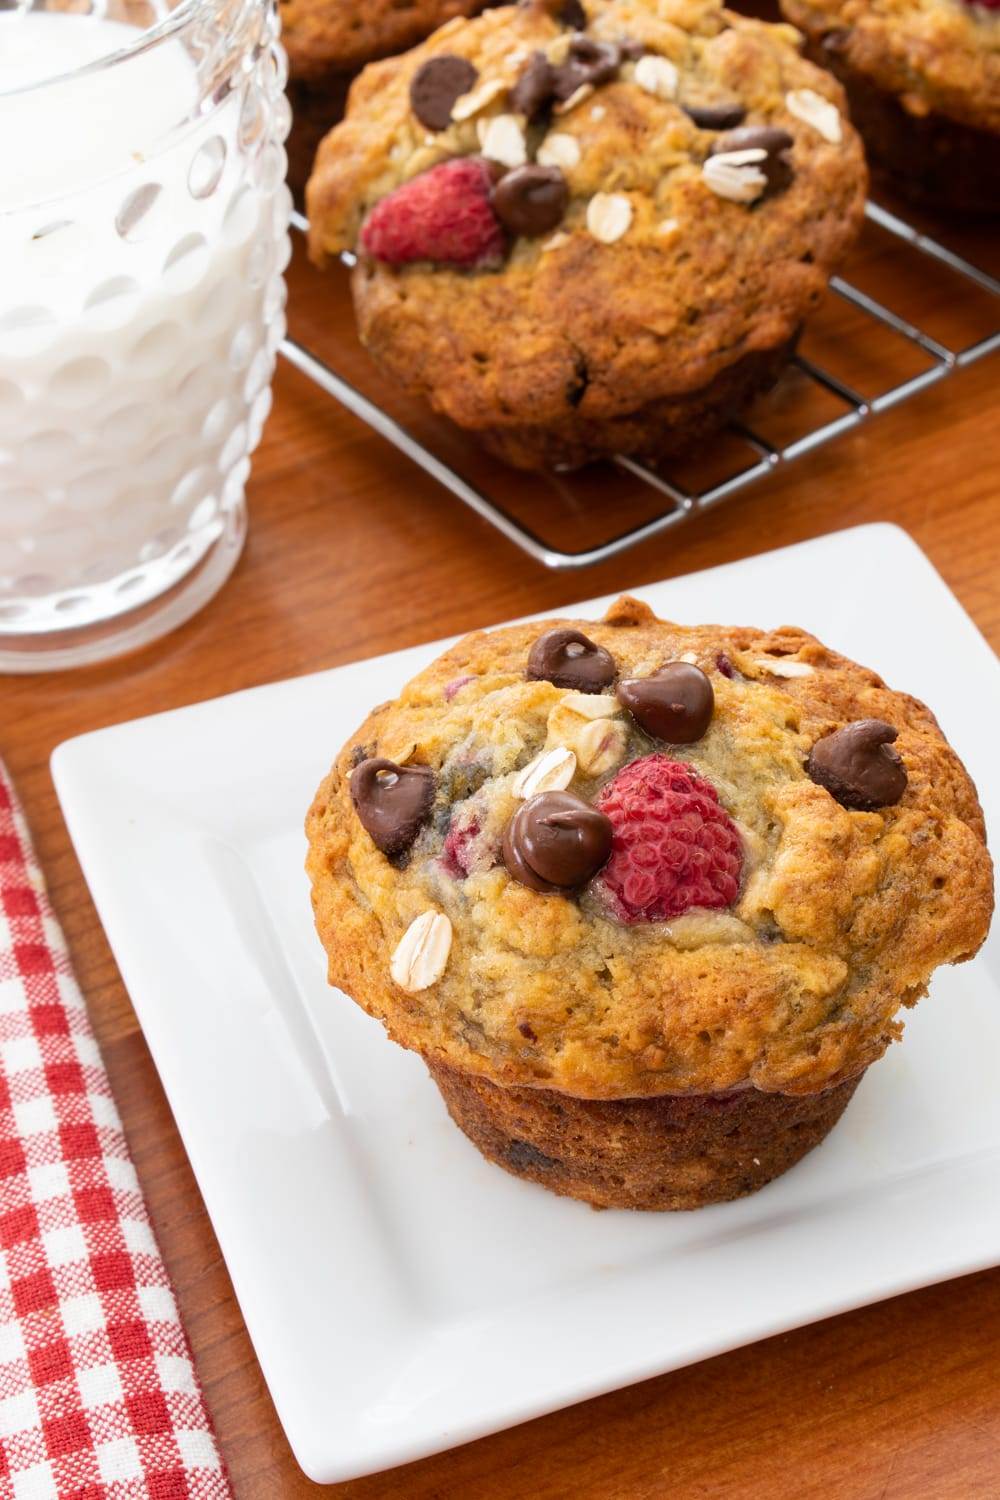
{"x":143,"y":236}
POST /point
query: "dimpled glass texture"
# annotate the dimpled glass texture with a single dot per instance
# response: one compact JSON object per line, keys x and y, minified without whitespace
{"x":140,"y":317}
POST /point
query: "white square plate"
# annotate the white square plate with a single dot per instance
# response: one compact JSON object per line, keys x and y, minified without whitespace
{"x":402,"y":1294}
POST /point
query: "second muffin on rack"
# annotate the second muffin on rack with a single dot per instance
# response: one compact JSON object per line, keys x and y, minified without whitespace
{"x":923,"y":81}
{"x":590,"y":228}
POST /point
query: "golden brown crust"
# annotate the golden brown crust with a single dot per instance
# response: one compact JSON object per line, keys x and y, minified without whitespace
{"x":934,"y":56}
{"x":663,"y":1154}
{"x":573,"y":333}
{"x":842,"y":917}
{"x":337,"y":36}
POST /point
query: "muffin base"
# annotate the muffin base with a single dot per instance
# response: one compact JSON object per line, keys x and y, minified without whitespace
{"x":659,"y":430}
{"x":667,"y":1153}
{"x":930,"y":160}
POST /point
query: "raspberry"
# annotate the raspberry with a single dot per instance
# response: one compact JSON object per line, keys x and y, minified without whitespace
{"x":458,"y":852}
{"x":445,"y":214}
{"x":472,"y":844}
{"x":674,"y":846}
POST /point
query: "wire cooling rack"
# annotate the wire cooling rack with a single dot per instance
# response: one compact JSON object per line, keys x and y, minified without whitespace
{"x":677,"y":499}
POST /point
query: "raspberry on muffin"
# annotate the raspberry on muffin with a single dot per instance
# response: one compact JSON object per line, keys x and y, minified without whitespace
{"x":673,"y":846}
{"x":923,"y":82}
{"x":445,"y":215}
{"x":647,"y":898}
{"x":671,"y":188}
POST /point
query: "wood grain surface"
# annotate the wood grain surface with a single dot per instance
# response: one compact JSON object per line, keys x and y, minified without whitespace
{"x":353,"y":552}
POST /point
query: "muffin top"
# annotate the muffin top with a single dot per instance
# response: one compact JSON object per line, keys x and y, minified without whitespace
{"x":628,"y":858}
{"x":324,"y":36}
{"x":586,"y":205}
{"x":934,"y":55}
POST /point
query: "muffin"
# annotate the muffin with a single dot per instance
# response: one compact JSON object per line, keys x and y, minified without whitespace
{"x":923,"y":82}
{"x":591,"y":229}
{"x":328,"y":41}
{"x":646,"y":898}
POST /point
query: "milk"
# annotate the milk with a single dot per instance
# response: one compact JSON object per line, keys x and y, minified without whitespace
{"x":143,"y":233}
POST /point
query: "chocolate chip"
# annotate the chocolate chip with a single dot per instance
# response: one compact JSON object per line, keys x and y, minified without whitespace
{"x":566,"y":12}
{"x":534,"y":89}
{"x":572,"y":13}
{"x":674,"y":704}
{"x":531,"y":200}
{"x":571,"y":659}
{"x":526,"y":1031}
{"x":588,"y":62}
{"x":556,"y":842}
{"x":770,"y":138}
{"x":715,"y":116}
{"x":392,"y":801}
{"x":725,"y":666}
{"x":435,"y":87}
{"x":858,"y":766}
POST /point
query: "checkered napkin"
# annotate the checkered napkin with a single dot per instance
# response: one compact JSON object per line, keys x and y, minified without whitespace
{"x":98,"y":1395}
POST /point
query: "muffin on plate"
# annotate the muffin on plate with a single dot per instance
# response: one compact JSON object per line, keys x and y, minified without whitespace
{"x":647,"y":898}
{"x":329,"y":41}
{"x":590,"y":228}
{"x":923,"y":83}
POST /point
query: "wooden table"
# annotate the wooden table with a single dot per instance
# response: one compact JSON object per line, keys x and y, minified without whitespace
{"x":353,"y":552}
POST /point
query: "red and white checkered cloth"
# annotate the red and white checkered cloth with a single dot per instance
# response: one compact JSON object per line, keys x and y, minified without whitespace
{"x":98,"y":1395}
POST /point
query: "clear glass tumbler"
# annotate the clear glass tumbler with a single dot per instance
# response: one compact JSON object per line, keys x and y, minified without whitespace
{"x":143,"y":236}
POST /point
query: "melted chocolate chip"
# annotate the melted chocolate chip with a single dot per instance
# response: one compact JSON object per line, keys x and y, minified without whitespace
{"x":522,"y":1156}
{"x":556,"y":842}
{"x":674,"y":704}
{"x":437,"y":85}
{"x":770,"y":138}
{"x":535,"y":88}
{"x":572,"y":13}
{"x":571,"y":659}
{"x":526,"y":1031}
{"x":858,"y":766}
{"x":531,"y":200}
{"x":715,"y":116}
{"x":392,"y":802}
{"x":566,"y":12}
{"x":588,"y":62}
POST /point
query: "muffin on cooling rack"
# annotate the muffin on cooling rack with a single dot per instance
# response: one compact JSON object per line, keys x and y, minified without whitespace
{"x":923,"y":82}
{"x":328,"y":41}
{"x":646,"y":898}
{"x":590,"y":229}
